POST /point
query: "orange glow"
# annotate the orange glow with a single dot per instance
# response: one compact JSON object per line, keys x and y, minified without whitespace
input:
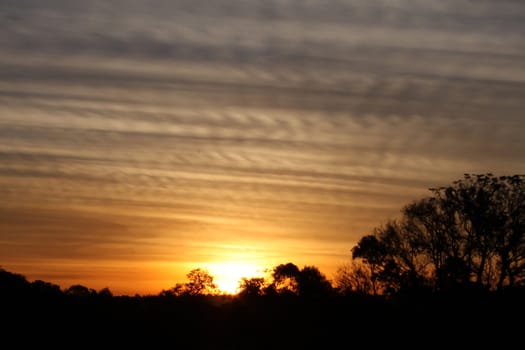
{"x":257,"y":145}
{"x":228,"y":274}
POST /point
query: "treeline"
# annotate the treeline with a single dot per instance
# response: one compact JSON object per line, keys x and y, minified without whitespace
{"x":467,"y":236}
{"x":451,"y":270}
{"x":297,"y":310}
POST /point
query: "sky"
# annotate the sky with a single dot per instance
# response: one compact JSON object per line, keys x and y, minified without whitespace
{"x":142,"y":139}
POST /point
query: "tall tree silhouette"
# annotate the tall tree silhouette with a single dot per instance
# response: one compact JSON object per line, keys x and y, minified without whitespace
{"x":471,"y":233}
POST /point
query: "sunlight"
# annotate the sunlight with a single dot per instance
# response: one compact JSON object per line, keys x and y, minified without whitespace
{"x":228,"y":274}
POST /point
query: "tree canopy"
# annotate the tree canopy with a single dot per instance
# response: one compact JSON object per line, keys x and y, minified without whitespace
{"x":468,"y":234}
{"x":200,"y":282}
{"x":308,"y":281}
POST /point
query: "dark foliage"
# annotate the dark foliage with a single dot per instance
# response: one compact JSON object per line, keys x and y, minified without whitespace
{"x":467,"y":236}
{"x":39,"y":314}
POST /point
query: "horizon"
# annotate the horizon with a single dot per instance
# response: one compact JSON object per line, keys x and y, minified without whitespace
{"x":142,"y":139}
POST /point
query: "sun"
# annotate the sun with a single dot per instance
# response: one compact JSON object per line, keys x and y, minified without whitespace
{"x":227,"y":275}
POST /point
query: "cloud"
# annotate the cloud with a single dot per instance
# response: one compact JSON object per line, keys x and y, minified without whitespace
{"x":144,"y":130}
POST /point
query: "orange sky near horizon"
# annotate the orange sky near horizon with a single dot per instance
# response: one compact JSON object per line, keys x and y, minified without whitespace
{"x":142,"y":139}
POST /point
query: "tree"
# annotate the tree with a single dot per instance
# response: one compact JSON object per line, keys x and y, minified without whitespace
{"x":105,"y":293}
{"x":200,"y":282}
{"x":471,"y":233}
{"x":308,"y":281}
{"x":250,"y":287}
{"x":12,"y":284}
{"x":486,"y":234}
{"x":373,"y":254}
{"x":45,"y":289}
{"x":80,"y":291}
{"x":355,"y":277}
{"x":285,"y":278}
{"x":311,"y":282}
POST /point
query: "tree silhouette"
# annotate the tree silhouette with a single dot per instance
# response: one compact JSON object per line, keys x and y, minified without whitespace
{"x":311,"y":282}
{"x":285,"y":279}
{"x":105,"y":293}
{"x":12,"y":284}
{"x":308,"y":281}
{"x":44,"y":288}
{"x":355,"y":277}
{"x":80,"y":291}
{"x":250,"y":287}
{"x":373,"y":252}
{"x":471,"y":233}
{"x":200,"y":282}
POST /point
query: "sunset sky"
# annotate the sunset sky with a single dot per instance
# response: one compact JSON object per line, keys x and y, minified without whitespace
{"x":142,"y":139}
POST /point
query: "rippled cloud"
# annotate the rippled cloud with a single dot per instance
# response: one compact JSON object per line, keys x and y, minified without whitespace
{"x":177,"y":133}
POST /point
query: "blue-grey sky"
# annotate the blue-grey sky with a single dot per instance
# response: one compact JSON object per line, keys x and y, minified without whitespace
{"x":141,"y":139}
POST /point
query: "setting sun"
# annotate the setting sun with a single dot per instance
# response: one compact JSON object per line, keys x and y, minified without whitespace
{"x":228,"y":274}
